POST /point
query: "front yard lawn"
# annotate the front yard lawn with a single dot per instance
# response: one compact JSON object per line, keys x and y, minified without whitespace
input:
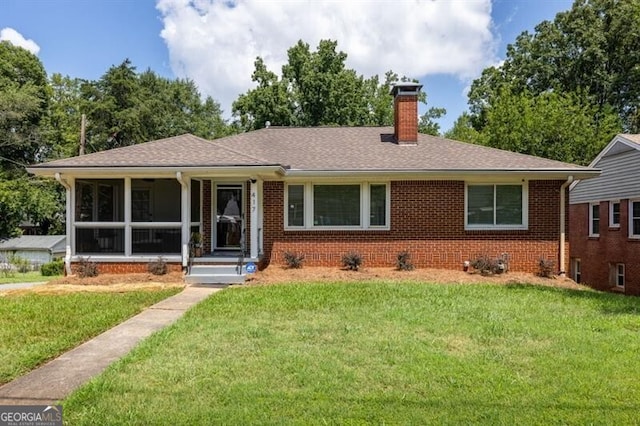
{"x":37,"y":327}
{"x":26,"y":277}
{"x":380,"y":353}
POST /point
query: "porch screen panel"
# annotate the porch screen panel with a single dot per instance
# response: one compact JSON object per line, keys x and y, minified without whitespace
{"x":100,"y":200}
{"x":100,"y":240}
{"x":195,"y":201}
{"x":156,"y":240}
{"x":336,"y":205}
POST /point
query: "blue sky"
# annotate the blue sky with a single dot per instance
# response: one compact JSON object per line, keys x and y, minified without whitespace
{"x":443,"y":43}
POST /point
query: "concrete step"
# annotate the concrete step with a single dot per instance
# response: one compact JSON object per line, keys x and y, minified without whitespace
{"x":216,"y":274}
{"x":214,"y":279}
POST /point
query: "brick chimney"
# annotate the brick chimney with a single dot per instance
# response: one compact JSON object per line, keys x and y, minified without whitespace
{"x":405,"y":111}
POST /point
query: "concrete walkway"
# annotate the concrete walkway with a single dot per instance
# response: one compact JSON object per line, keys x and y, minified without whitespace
{"x":58,"y":378}
{"x":16,"y":286}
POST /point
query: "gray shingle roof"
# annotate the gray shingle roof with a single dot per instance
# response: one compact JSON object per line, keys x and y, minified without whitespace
{"x":315,"y":149}
{"x":32,"y":242}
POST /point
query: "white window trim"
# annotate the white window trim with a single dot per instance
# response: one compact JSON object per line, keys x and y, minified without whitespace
{"x":611,"y":203}
{"x":591,"y":233}
{"x":365,"y":207}
{"x":630,"y":210}
{"x":483,"y":227}
{"x":617,"y":275}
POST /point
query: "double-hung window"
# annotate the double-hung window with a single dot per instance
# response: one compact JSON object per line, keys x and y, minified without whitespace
{"x":634,"y":218}
{"x":594,"y":219}
{"x":614,"y":214}
{"x":496,"y":206}
{"x":337,"y":206}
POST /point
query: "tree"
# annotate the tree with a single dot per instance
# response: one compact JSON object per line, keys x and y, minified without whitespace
{"x":124,"y":108}
{"x":591,"y":49}
{"x":317,"y":89}
{"x":559,"y":126}
{"x":463,"y":130}
{"x":24,"y":96}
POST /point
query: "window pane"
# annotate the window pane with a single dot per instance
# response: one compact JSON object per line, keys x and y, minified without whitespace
{"x":508,"y":205}
{"x":156,"y":200}
{"x":635,"y":208}
{"x":615,"y":214}
{"x":336,"y":205}
{"x":595,"y":219}
{"x":296,"y":205}
{"x":378,"y":213}
{"x":480,"y":205}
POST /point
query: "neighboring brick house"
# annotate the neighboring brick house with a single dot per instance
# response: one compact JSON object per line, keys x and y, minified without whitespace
{"x":605,"y":220}
{"x":319,"y":191}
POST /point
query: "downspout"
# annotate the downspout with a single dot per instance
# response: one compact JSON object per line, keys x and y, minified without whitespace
{"x":67,"y":256}
{"x":186,"y":219}
{"x":563,"y":190}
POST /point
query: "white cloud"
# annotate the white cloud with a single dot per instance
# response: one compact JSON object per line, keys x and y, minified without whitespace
{"x":215,"y":42}
{"x":18,"y":39}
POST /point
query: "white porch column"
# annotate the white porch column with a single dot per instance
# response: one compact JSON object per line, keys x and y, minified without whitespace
{"x":254,"y":217}
{"x":68,"y":220}
{"x":185,"y":214}
{"x":127,"y":216}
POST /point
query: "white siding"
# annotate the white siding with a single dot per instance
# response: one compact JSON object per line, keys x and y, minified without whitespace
{"x":620,"y":179}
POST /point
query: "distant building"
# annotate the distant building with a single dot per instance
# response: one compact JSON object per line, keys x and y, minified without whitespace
{"x":37,"y":249}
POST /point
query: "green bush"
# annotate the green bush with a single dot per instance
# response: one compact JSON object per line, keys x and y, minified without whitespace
{"x":293,"y":259}
{"x":352,"y":261}
{"x":403,"y":261}
{"x":50,"y":269}
{"x":22,"y":265}
{"x":157,"y":267}
{"x":86,"y":268}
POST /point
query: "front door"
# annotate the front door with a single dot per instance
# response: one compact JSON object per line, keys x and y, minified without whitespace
{"x":229,"y":217}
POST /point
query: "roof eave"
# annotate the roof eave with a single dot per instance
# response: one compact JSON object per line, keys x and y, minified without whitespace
{"x":169,"y":171}
{"x":546,"y":174}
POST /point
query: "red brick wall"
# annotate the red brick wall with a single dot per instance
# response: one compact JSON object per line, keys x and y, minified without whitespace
{"x":127,"y":267}
{"x":427,"y":218}
{"x":406,"y":118}
{"x":613,"y":246}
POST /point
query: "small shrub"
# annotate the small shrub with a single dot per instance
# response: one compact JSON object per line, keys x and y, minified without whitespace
{"x":50,"y":269}
{"x":546,"y":268}
{"x":293,"y":259}
{"x":86,"y":268}
{"x":403,"y":261}
{"x":158,"y":266}
{"x":21,"y":264}
{"x":352,"y":261}
{"x":489,"y":266}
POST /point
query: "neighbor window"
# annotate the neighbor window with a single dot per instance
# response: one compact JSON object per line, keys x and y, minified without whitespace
{"x":577,"y":273}
{"x":326,"y":206}
{"x":634,"y":218}
{"x":594,"y":219}
{"x":614,"y":214}
{"x":618,"y":274}
{"x":496,"y":206}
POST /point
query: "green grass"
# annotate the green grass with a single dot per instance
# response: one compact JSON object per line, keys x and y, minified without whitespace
{"x":35,"y":328}
{"x":381,"y":353}
{"x":27,"y":277}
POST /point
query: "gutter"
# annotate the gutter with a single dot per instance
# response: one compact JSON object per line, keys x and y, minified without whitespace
{"x":67,"y":256}
{"x":563,"y":190}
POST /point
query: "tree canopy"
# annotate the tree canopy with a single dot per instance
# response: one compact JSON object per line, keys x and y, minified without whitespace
{"x":316,"y":88}
{"x":586,"y":61}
